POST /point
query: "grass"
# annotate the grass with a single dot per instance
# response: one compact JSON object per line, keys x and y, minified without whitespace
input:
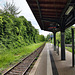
{"x":70,"y":49}
{"x":10,"y":57}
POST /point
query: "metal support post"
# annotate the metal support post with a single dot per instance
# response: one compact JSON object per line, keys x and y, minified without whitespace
{"x":58,"y":48}
{"x":62,"y":46}
{"x":72,"y":47}
{"x":54,"y":41}
{"x":63,"y":39}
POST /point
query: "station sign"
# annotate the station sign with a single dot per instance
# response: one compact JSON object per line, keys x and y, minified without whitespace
{"x":51,"y":27}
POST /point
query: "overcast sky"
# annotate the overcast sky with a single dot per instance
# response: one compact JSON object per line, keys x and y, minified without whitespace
{"x":26,"y":12}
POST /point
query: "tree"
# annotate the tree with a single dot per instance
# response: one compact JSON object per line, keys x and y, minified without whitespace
{"x":11,"y":9}
{"x":68,"y":36}
{"x":1,"y":11}
{"x":48,"y":37}
{"x":17,"y":31}
{"x":41,"y":38}
{"x":58,"y":36}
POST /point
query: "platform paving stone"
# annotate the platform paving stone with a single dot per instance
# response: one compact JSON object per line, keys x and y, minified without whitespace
{"x":50,"y":63}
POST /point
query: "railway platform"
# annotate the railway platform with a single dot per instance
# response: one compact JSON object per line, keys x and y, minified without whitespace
{"x":50,"y":63}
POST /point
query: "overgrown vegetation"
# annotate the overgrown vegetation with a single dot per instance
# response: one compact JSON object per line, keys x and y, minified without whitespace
{"x":12,"y":56}
{"x":18,"y":37}
{"x":49,"y":38}
{"x":68,"y":36}
{"x":17,"y":31}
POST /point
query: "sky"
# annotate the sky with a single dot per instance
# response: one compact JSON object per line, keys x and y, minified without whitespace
{"x":26,"y":12}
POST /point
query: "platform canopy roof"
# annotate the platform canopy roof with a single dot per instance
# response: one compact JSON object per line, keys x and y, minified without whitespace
{"x":51,"y":13}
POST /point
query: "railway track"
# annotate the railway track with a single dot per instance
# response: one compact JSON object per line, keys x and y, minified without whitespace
{"x":22,"y":67}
